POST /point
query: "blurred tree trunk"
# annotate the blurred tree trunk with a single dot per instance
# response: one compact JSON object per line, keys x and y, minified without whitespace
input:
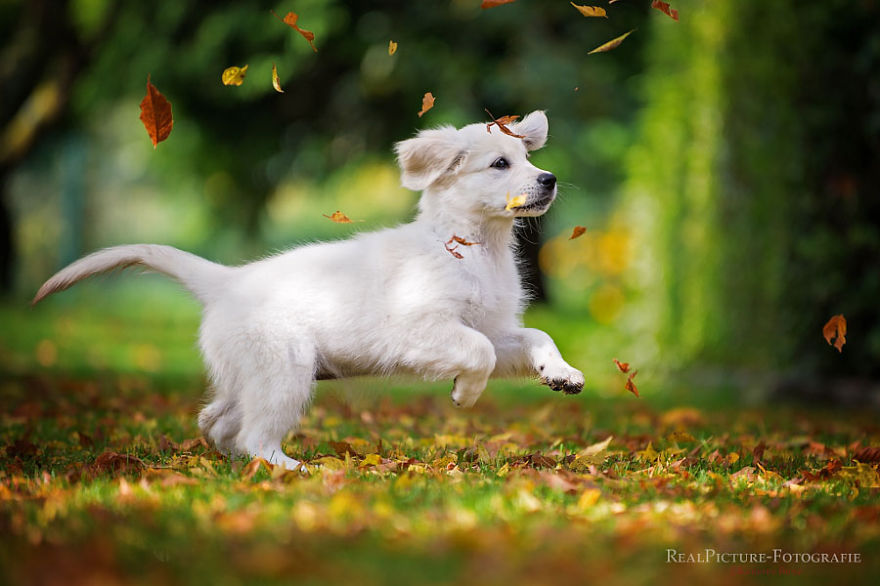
{"x":758,"y":162}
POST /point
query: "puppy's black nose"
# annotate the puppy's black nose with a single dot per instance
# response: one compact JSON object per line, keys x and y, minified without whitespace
{"x":547,"y":180}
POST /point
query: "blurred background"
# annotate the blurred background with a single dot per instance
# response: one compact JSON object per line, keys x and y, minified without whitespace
{"x":726,"y":167}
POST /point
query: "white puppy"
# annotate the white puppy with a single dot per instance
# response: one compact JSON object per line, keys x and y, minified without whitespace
{"x":393,"y":301}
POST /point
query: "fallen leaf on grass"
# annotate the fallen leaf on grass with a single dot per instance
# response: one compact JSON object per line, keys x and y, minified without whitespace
{"x":826,"y":472}
{"x":590,"y":11}
{"x":502,"y":123}
{"x":664,"y":7}
{"x":592,"y":455}
{"x":836,"y":326}
{"x":234,"y":75}
{"x":290,"y":19}
{"x":156,"y":114}
{"x":867,"y":455}
{"x":516,"y":202}
{"x":254,"y":466}
{"x":612,"y":44}
{"x":427,"y":103}
{"x":630,"y":385}
{"x":486,"y":4}
{"x":392,"y":47}
{"x":577,"y":232}
{"x":621,"y":366}
{"x":276,"y":83}
{"x":115,"y":463}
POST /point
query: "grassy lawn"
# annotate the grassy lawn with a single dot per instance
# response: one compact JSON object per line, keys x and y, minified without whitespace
{"x":103,"y":479}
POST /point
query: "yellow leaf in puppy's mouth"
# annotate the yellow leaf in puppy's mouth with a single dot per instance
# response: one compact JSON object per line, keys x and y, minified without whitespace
{"x":516,"y":202}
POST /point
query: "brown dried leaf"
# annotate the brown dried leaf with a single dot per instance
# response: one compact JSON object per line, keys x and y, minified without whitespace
{"x":115,"y":463}
{"x":290,"y":19}
{"x":630,"y":385}
{"x":502,"y":124}
{"x":867,"y":454}
{"x":621,"y":366}
{"x":427,"y":103}
{"x":664,"y":7}
{"x":590,"y":11}
{"x":836,"y":326}
{"x":612,"y":44}
{"x":577,"y":232}
{"x":156,"y":114}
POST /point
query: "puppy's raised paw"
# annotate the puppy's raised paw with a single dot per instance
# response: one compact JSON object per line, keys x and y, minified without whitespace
{"x":570,"y":382}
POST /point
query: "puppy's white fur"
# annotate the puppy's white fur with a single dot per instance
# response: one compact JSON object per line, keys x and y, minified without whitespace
{"x":392,"y":301}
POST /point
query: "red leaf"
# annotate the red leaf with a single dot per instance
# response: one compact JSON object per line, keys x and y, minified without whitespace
{"x":577,"y":232}
{"x":664,"y":7}
{"x":630,"y":385}
{"x":156,"y":114}
{"x":486,"y":4}
{"x":502,"y":124}
{"x":621,"y":366}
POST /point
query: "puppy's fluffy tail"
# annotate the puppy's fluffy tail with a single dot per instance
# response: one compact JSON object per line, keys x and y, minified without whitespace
{"x":203,"y":278}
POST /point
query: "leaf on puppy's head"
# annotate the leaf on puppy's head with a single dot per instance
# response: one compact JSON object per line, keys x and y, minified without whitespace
{"x":502,"y":124}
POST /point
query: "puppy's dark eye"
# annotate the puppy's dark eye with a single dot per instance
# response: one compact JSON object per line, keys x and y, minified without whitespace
{"x":500,"y":163}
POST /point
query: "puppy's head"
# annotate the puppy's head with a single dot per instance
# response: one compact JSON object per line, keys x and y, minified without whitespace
{"x":474,"y":172}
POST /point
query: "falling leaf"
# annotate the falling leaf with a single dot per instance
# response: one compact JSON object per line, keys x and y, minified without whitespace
{"x":516,"y":202}
{"x":621,"y":366}
{"x":290,"y":20}
{"x":340,"y":218}
{"x":392,"y":47}
{"x":486,"y":4}
{"x":233,"y":75}
{"x":156,"y":114}
{"x":590,"y":11}
{"x":664,"y":7}
{"x":427,"y":103}
{"x":577,"y":232}
{"x":612,"y":44}
{"x":502,"y":124}
{"x":836,"y":326}
{"x":630,"y":385}
{"x":276,"y":83}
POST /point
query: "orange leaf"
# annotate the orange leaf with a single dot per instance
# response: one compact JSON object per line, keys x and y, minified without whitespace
{"x":290,"y":20}
{"x":392,"y":47}
{"x":276,"y":83}
{"x":233,"y":75}
{"x":590,"y":11}
{"x":664,"y":7}
{"x":156,"y":114}
{"x":461,"y":241}
{"x":836,"y":326}
{"x":578,"y":231}
{"x":339,"y":217}
{"x":630,"y":385}
{"x":502,"y":124}
{"x":427,"y":103}
{"x":622,"y":366}
{"x":493,"y":3}
{"x":612,"y":44}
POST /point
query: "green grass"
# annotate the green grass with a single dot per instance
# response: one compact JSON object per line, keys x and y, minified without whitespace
{"x":431,"y":495}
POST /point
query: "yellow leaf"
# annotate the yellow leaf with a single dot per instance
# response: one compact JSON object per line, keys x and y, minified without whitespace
{"x":515,"y":202}
{"x":589,"y":498}
{"x":680,"y":436}
{"x":329,"y":462}
{"x":590,"y":11}
{"x":612,"y":44}
{"x":371,"y":460}
{"x":392,"y":47}
{"x":649,"y":454}
{"x":233,"y":75}
{"x":276,"y":83}
{"x":596,"y":449}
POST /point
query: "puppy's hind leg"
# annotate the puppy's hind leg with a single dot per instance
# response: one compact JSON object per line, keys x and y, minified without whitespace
{"x":275,"y":391}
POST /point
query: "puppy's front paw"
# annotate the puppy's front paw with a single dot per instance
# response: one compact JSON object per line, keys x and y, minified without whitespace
{"x":566,"y":379}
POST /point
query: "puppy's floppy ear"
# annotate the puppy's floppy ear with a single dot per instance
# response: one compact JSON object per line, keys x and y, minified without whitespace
{"x":430,"y":156}
{"x":534,"y":128}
